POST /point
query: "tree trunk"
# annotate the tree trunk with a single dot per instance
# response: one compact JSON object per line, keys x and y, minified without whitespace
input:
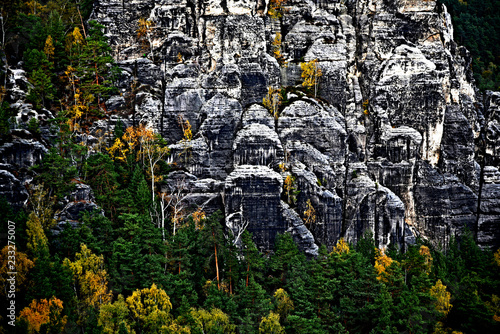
{"x":216,"y":260}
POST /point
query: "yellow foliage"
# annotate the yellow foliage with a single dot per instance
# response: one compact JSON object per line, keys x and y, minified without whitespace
{"x":276,"y":9}
{"x":198,"y":216}
{"x":179,"y":58}
{"x":442,"y":296}
{"x":440,"y":329}
{"x":309,"y":213}
{"x":277,"y":49}
{"x":214,"y":321}
{"x":22,"y":266}
{"x":150,"y":307}
{"x":142,"y":138}
{"x":82,"y":101}
{"x":284,"y":303}
{"x":144,"y":31}
{"x":175,"y":328}
{"x":494,"y":306}
{"x":49,"y":48}
{"x":42,"y":205}
{"x":426,"y":254}
{"x":3,"y":92}
{"x":496,"y":257}
{"x":342,"y":247}
{"x":112,"y":316}
{"x":37,"y":240}
{"x":290,"y":188}
{"x":382,"y":262}
{"x":311,"y":74}
{"x":365,"y":107}
{"x":91,"y":278}
{"x":271,"y":324}
{"x":34,"y":7}
{"x":272,"y":101}
{"x":186,"y":128}
{"x":77,"y":36}
{"x":117,"y":151}
{"x":43,"y":312}
{"x":70,"y":74}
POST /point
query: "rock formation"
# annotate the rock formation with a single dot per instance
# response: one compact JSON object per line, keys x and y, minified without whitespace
{"x":397,"y":141}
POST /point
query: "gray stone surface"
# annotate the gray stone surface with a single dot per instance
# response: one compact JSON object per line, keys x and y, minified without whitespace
{"x":391,"y":146}
{"x":396,"y":140}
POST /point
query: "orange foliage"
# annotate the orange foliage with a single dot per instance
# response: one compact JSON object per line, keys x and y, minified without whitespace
{"x":22,"y":266}
{"x":426,"y":254}
{"x":382,"y":262}
{"x":198,"y":216}
{"x":43,"y":312}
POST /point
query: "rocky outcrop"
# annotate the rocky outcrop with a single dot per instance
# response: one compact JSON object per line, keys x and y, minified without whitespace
{"x":17,"y":156}
{"x":79,"y":202}
{"x":252,"y":202}
{"x":394,"y":140}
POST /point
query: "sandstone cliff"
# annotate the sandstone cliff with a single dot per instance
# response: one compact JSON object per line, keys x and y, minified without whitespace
{"x":398,"y":141}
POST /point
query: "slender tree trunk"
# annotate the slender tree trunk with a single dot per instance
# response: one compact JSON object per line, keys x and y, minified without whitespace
{"x":216,"y":260}
{"x":180,"y":258}
{"x":230,"y":281}
{"x":248,"y":272}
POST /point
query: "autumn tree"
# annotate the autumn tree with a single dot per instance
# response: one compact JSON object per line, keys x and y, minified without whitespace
{"x":277,"y":49}
{"x":212,"y":322}
{"x":271,"y":324}
{"x":22,"y":267}
{"x":291,"y":191}
{"x":309,"y":214}
{"x":187,"y":137}
{"x":426,"y":254}
{"x":150,"y":308}
{"x":44,"y":312}
{"x":284,"y":304}
{"x":152,"y":149}
{"x":49,"y":48}
{"x":37,"y":240}
{"x":42,"y":205}
{"x":342,"y":247}
{"x":276,"y":8}
{"x":496,"y":256}
{"x":311,"y":74}
{"x":382,"y":262}
{"x":145,"y":35}
{"x":90,"y":280}
{"x":442,"y":296}
{"x":114,"y":317}
{"x":148,"y":147}
{"x":272,"y":101}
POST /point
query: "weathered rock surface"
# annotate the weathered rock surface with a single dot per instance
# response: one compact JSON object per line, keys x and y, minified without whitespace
{"x":17,"y":155}
{"x":79,"y":202}
{"x":396,"y":140}
{"x":395,"y":144}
